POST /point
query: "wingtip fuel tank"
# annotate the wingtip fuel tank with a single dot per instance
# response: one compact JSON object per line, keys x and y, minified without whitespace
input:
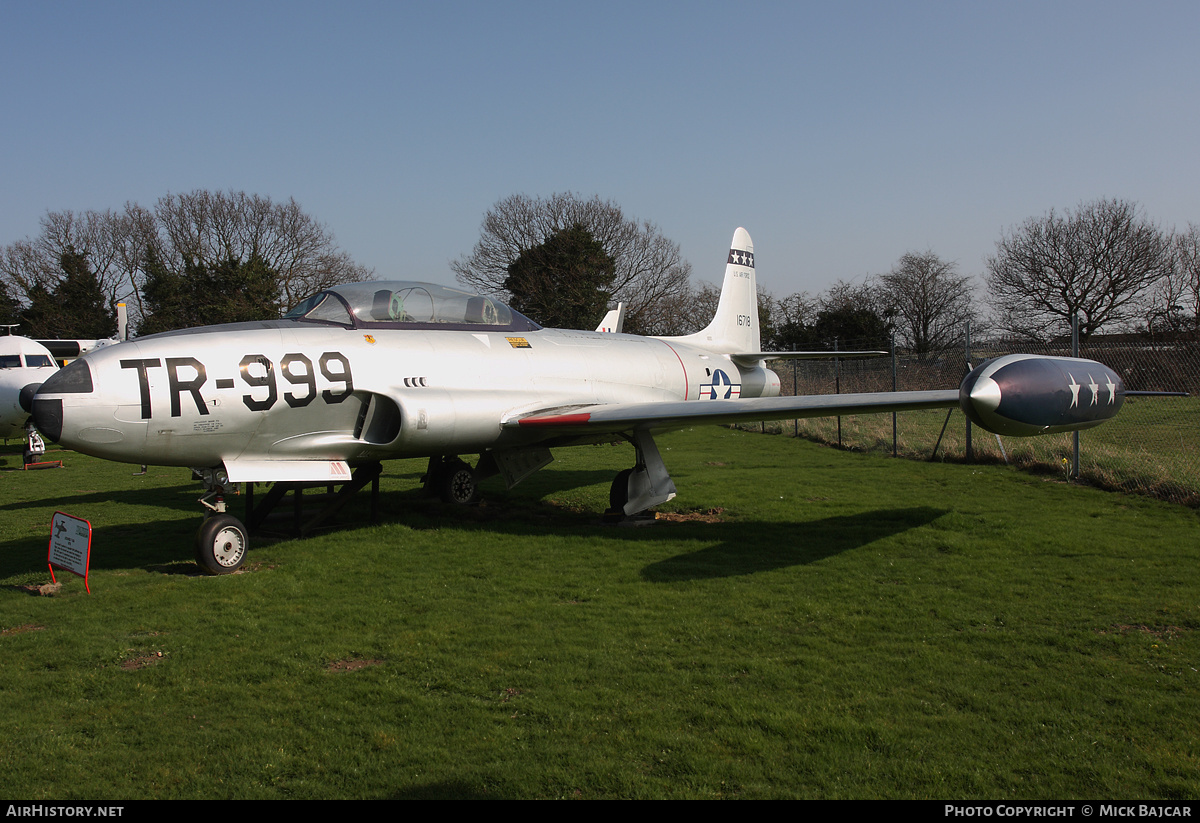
{"x":1025,"y":395}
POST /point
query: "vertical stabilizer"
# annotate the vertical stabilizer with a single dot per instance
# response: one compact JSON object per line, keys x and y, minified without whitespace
{"x":614,"y":321}
{"x":734,"y":329}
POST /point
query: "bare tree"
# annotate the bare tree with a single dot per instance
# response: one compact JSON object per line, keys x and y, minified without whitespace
{"x":649,"y":268}
{"x":1096,"y":262}
{"x":209,"y":228}
{"x":104,"y":238}
{"x":846,"y":294}
{"x":200,"y":229}
{"x":929,"y":301}
{"x":856,"y":315}
{"x":1174,"y":303}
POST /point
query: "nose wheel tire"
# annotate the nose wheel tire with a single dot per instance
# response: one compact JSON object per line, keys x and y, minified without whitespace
{"x":221,"y":544}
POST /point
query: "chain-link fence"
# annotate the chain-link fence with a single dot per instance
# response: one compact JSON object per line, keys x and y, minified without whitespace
{"x":1151,"y":447}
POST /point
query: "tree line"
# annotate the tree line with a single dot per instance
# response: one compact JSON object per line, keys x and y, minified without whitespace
{"x":1105,"y":262}
{"x":562,"y":260}
{"x":193,"y":259}
{"x":214,"y":257}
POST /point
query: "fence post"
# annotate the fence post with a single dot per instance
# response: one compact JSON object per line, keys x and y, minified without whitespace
{"x":795,"y":392}
{"x":1075,"y":435}
{"x":837,"y":385}
{"x":893,"y":389}
{"x":970,"y":449}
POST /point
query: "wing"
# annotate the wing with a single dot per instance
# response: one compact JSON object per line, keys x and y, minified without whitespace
{"x":675,"y":414}
{"x":753,"y":358}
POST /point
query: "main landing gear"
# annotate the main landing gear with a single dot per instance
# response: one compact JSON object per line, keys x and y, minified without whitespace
{"x":223,"y":540}
{"x":452,"y":480}
{"x":646,"y":484}
{"x":633,"y":490}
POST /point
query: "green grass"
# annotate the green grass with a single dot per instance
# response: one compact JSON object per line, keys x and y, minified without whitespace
{"x":1149,"y":448}
{"x":853,"y":626}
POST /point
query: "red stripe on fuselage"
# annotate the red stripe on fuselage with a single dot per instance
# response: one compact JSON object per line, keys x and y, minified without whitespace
{"x":680,"y":359}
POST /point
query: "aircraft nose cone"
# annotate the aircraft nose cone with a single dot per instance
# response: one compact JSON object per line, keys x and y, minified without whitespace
{"x":25,"y":398}
{"x":47,"y":411}
{"x":48,"y":417}
{"x":985,"y":394}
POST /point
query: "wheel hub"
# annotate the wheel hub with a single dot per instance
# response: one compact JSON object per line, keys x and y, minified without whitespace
{"x":229,"y":548}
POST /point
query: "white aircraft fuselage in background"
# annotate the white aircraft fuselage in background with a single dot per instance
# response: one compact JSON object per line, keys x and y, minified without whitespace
{"x":23,"y":362}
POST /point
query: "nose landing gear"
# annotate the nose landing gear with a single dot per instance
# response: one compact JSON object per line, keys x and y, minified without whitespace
{"x":221,"y":544}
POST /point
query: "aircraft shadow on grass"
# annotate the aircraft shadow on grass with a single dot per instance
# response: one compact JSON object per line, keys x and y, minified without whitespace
{"x":741,"y":548}
{"x":164,"y":536}
{"x":750,"y":548}
{"x":181,"y":497}
{"x":163,"y":542}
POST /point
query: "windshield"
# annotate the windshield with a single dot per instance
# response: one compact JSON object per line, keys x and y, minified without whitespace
{"x":403,"y":304}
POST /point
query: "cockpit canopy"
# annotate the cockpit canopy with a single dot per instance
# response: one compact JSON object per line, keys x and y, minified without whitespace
{"x":399,"y":304}
{"x":21,"y":352}
{"x":32,"y":361}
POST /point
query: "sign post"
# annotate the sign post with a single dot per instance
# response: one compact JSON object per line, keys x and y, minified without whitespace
{"x":70,"y":546}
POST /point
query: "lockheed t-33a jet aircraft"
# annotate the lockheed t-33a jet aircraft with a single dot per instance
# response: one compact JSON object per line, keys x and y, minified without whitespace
{"x":365,"y":372}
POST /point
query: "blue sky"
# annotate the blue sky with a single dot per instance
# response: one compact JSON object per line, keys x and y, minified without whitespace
{"x":839,"y":134}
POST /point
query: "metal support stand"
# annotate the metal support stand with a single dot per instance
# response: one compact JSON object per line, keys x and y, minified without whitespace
{"x":256,"y":515}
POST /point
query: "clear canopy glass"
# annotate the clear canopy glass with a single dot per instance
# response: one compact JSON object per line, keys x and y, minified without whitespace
{"x":404,"y":304}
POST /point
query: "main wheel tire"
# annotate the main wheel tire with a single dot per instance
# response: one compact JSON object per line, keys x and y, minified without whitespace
{"x":458,"y":484}
{"x":618,"y":493}
{"x":221,"y":544}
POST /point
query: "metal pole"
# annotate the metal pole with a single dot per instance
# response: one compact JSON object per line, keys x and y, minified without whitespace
{"x":970,"y":450}
{"x":893,"y":389}
{"x":795,"y":392}
{"x":837,"y":387}
{"x":1075,"y":435}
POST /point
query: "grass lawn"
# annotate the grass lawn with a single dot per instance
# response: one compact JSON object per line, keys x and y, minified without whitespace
{"x":812,"y":623}
{"x":1150,"y":447}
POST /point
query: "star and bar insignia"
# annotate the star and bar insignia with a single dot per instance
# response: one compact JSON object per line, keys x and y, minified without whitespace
{"x":741,"y":258}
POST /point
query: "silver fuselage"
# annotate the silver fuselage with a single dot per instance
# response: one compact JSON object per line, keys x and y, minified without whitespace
{"x":294,"y":390}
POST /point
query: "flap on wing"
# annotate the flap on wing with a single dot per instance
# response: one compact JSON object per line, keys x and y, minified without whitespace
{"x":301,"y":471}
{"x":679,"y":413}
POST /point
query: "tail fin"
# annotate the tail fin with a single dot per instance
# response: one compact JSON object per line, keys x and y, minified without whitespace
{"x":614,"y":321}
{"x":734,"y":328}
